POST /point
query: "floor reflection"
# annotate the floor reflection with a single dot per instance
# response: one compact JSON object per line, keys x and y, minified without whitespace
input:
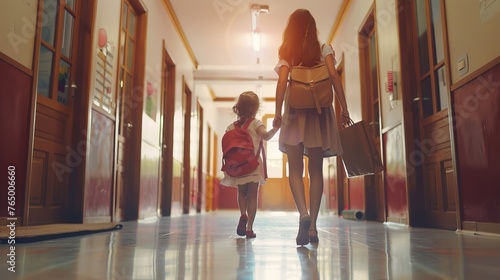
{"x":246,"y":267}
{"x":206,"y":246}
{"x":308,"y":259}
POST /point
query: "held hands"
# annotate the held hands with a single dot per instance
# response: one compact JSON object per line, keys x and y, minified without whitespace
{"x":277,"y":121}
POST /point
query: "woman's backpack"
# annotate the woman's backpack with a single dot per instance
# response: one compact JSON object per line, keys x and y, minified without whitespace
{"x":238,"y":156}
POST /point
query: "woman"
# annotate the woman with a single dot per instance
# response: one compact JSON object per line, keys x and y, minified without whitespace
{"x":305,"y":131}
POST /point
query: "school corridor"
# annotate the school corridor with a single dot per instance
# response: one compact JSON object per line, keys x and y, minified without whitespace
{"x":113,"y":111}
{"x":206,"y":247}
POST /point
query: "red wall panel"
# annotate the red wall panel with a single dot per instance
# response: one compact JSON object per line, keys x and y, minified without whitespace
{"x":476,"y":108}
{"x":356,"y":194}
{"x":15,"y":110}
{"x":227,"y":197}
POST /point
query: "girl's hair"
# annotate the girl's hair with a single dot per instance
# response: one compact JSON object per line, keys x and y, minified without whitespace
{"x":247,"y":106}
{"x":300,"y":40}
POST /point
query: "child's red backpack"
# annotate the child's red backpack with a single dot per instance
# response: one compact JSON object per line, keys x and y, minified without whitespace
{"x":238,"y":157}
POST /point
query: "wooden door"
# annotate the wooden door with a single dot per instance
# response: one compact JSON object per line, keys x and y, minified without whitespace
{"x":432,"y":145}
{"x":186,"y":173}
{"x":199,"y":176}
{"x":54,"y":157}
{"x":167,"y":115}
{"x":126,"y":196}
{"x":373,"y":184}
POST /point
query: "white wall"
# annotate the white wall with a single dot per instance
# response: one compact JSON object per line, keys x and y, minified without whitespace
{"x":17,"y":30}
{"x":469,"y":34}
{"x":389,"y":60}
{"x":345,"y":43}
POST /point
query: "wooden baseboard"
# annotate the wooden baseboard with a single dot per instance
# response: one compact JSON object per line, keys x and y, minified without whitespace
{"x":398,"y":220}
{"x":481,"y":228}
{"x":4,"y":221}
{"x":97,"y":219}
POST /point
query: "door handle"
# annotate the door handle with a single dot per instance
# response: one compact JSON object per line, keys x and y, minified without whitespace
{"x":129,"y":127}
{"x":416,"y":99}
{"x":73,"y":88}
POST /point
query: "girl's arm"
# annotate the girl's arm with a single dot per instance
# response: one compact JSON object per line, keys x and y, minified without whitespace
{"x":264,"y":134}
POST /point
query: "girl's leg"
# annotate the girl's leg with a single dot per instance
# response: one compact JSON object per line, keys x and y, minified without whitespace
{"x":242,"y":198}
{"x":315,"y":167}
{"x":252,"y":193}
{"x":242,"y":203}
{"x":296,"y":169}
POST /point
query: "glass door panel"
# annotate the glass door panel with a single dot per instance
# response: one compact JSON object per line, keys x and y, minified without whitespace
{"x":441,"y":89}
{"x":422,"y":36}
{"x":44,"y":86}
{"x":67,"y":38}
{"x":63,"y":86}
{"x":437,"y":32}
{"x":49,"y":17}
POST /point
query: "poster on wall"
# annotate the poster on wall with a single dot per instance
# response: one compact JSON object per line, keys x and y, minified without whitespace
{"x":151,"y":99}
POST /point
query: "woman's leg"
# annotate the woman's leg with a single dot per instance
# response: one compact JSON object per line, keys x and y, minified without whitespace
{"x":295,"y":156}
{"x":315,"y":167}
{"x":252,"y":192}
{"x":296,"y":169}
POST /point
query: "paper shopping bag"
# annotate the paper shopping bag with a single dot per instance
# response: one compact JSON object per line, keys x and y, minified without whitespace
{"x":360,"y":155}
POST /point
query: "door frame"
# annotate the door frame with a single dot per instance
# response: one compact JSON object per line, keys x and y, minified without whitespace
{"x":200,"y":179}
{"x":187,"y":97}
{"x":132,"y":195}
{"x":374,"y":185}
{"x":80,"y":135}
{"x":167,"y":132}
{"x":88,"y":10}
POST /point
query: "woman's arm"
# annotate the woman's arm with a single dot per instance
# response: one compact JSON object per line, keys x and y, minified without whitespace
{"x":280,"y":93}
{"x":337,"y":86}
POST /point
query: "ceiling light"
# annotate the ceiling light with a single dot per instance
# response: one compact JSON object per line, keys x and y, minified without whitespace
{"x":256,"y":11}
{"x":256,"y":40}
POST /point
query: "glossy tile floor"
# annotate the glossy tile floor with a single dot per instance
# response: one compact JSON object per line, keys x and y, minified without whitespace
{"x":206,"y":246}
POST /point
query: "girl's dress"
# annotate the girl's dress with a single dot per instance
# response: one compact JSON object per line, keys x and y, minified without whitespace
{"x":307,"y":126}
{"x":257,"y":175}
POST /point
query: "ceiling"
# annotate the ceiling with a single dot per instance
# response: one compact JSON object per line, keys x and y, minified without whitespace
{"x":217,"y":34}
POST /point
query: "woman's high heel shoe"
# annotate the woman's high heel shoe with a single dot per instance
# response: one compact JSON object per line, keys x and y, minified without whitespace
{"x":304,"y":223}
{"x":313,"y":238}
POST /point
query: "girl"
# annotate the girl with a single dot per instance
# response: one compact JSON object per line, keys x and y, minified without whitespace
{"x":246,"y":109}
{"x":304,"y":131}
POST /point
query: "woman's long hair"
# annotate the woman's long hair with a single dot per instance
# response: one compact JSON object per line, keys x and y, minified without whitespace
{"x":300,"y":40}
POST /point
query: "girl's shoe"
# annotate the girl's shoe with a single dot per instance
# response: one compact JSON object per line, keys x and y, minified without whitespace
{"x":302,"y":236}
{"x":251,"y":234}
{"x":242,"y":225}
{"x":313,"y":238}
